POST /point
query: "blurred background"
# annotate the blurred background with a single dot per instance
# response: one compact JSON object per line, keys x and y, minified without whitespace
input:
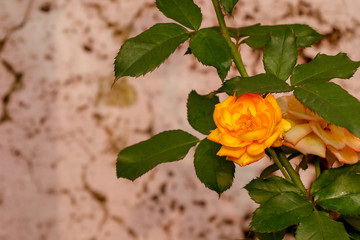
{"x":62,"y":125}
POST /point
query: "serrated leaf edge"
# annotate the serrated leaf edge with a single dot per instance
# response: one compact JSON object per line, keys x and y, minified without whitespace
{"x":117,"y":76}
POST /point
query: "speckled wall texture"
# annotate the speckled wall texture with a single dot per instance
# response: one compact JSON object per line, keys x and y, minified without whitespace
{"x":61,"y":124}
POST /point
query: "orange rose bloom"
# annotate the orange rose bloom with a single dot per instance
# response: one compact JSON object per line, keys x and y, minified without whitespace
{"x":311,"y":134}
{"x":246,"y":126}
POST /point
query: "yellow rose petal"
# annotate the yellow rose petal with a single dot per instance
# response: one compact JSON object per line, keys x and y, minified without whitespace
{"x":283,"y":126}
{"x":227,"y":102}
{"x":352,"y":141}
{"x":272,"y":138}
{"x":253,"y":135}
{"x":231,"y":141}
{"x":310,"y":144}
{"x":297,"y":132}
{"x":231,"y":152}
{"x":299,"y":110}
{"x":246,"y":126}
{"x":214,"y":136}
{"x":304,"y":116}
{"x":255,"y":149}
{"x":329,"y":136}
{"x":283,"y":103}
{"x":271,"y":99}
{"x":246,"y":159}
{"x":277,"y":143}
{"x":346,"y":155}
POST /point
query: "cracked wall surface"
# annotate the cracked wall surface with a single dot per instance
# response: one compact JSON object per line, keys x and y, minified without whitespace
{"x":61,"y":124}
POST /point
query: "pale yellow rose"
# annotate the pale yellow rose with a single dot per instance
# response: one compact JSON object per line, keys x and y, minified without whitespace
{"x":246,"y":126}
{"x":311,"y":134}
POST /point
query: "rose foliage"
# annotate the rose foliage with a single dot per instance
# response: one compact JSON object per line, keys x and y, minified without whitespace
{"x":315,"y":124}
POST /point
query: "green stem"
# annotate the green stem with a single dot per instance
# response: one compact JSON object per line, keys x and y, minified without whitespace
{"x":234,"y":51}
{"x":274,"y":156}
{"x":294,"y":176}
{"x":317,"y":167}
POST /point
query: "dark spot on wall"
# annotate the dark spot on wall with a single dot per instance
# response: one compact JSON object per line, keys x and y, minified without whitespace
{"x":170,"y":173}
{"x":247,"y":216}
{"x":118,"y":220}
{"x":334,"y":36}
{"x":145,"y":188}
{"x":304,"y":8}
{"x":155,"y":16}
{"x":182,"y":208}
{"x":173,"y":205}
{"x":51,"y":191}
{"x":163,"y":188}
{"x":167,"y":226}
{"x":82,"y":108}
{"x":200,"y":203}
{"x":212,"y":218}
{"x":155,"y":198}
{"x":43,"y":120}
{"x":48,"y":57}
{"x":16,"y":152}
{"x":87,"y":48}
{"x":53,"y":165}
{"x":17,"y":84}
{"x":202,"y":234}
{"x":304,"y":57}
{"x":248,"y":17}
{"x":97,"y":117}
{"x":45,"y":7}
{"x":227,"y":221}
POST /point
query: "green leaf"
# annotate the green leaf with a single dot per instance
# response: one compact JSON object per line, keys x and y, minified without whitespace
{"x":327,"y":177}
{"x":320,"y":226}
{"x":185,"y":12}
{"x":333,"y":103}
{"x":324,"y":68}
{"x":342,"y":195}
{"x":289,"y":150}
{"x":280,"y":54}
{"x":211,"y":49}
{"x":169,"y":146}
{"x":200,"y":111}
{"x":268,"y":171}
{"x":261,"y":190}
{"x":259,"y":30}
{"x":262,"y":83}
{"x":215,"y":172}
{"x":281,"y":211}
{"x":145,"y":52}
{"x":228,"y":5}
{"x":256,"y":42}
{"x":271,"y":236}
{"x":305,"y":36}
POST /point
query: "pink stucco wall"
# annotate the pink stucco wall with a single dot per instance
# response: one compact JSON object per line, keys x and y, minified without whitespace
{"x":61,"y":125}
